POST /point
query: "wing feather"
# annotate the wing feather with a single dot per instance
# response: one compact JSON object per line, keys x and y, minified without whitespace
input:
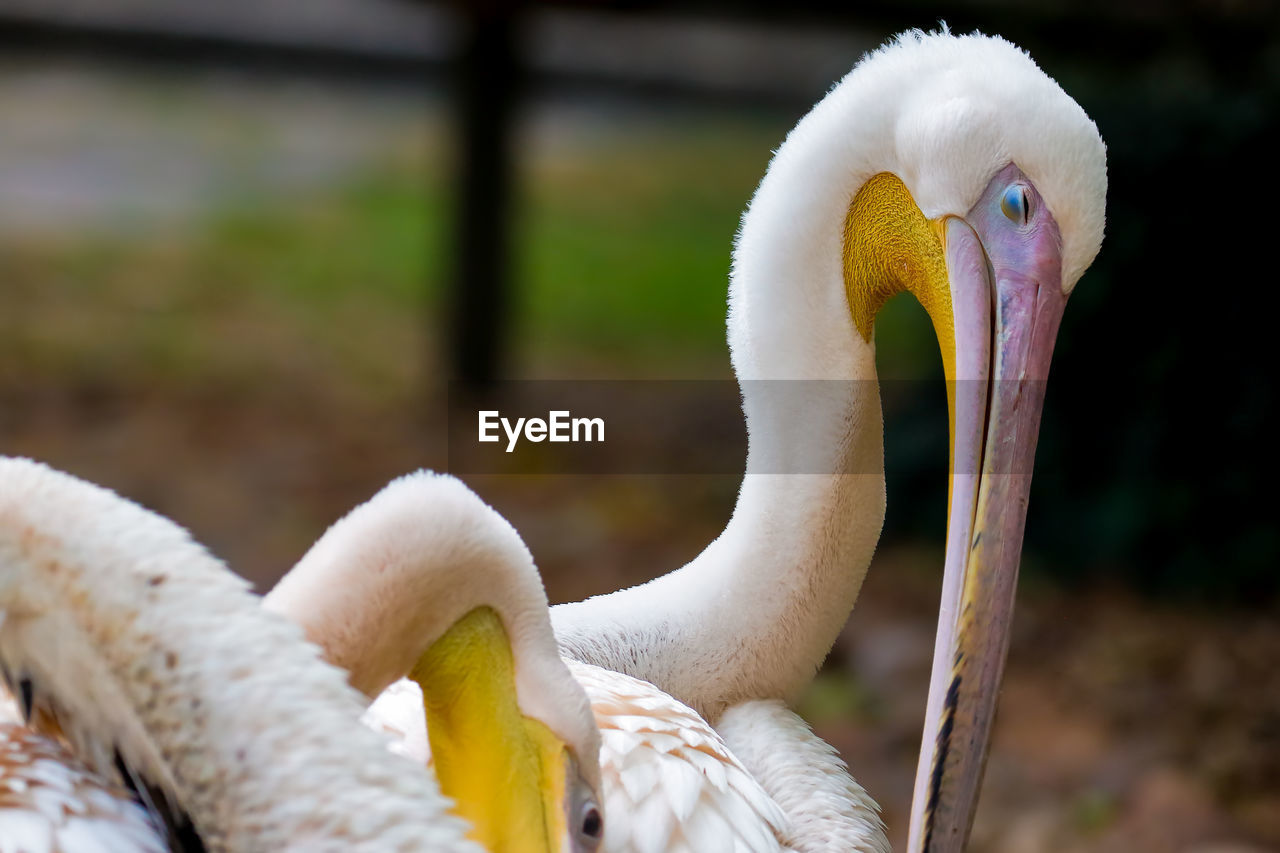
{"x":828,"y":811}
{"x":51,"y":803}
{"x":669,"y":782}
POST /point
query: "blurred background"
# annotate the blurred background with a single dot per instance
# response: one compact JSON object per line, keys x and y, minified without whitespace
{"x":244,"y":247}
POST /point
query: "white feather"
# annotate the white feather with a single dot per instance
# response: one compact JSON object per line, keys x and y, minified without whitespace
{"x":827,"y":810}
{"x":668,"y":781}
{"x":145,"y":644}
{"x":51,"y":803}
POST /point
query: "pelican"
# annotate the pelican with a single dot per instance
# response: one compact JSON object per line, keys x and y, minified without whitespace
{"x":954,"y":169}
{"x":415,"y":582}
{"x":150,"y":656}
{"x":425,"y":553}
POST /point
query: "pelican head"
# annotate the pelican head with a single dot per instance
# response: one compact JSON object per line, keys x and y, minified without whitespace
{"x":954,"y":169}
{"x":426,"y":580}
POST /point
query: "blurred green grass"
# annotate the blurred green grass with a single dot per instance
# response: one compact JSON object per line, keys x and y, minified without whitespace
{"x":322,"y":284}
{"x":621,"y":260}
{"x":624,"y":252}
{"x":624,"y":248}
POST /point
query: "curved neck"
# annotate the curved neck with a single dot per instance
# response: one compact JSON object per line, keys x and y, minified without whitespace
{"x":386,"y":582}
{"x":756,"y":613}
{"x":157,"y":657}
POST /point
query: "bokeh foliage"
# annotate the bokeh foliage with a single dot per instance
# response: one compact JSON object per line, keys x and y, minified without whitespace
{"x":1152,"y":470}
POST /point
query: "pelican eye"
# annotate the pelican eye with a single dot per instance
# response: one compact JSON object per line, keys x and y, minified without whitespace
{"x":1015,"y":204}
{"x":590,"y":826}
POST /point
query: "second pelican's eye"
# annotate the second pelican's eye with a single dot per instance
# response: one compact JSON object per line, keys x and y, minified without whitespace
{"x":590,"y":829}
{"x":1015,"y":204}
{"x":582,"y":814}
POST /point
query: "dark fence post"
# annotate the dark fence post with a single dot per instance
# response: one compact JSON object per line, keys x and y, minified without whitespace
{"x":486,"y":91}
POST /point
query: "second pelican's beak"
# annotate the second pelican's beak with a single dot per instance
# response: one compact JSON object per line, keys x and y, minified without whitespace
{"x":1004,"y":269}
{"x":510,"y":776}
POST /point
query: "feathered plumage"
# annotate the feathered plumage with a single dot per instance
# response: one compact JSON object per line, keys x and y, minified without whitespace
{"x":427,"y":550}
{"x":827,"y":810}
{"x":148,"y":652}
{"x":669,"y":782}
{"x":50,"y":802}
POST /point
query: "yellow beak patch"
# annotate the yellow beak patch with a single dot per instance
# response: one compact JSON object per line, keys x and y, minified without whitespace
{"x":889,"y":247}
{"x":504,"y":771}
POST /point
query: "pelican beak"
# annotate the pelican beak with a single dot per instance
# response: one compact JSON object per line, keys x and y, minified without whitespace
{"x":506,"y":773}
{"x":1004,"y":269}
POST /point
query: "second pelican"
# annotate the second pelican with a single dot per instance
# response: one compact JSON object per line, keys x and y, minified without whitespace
{"x":426,"y":553}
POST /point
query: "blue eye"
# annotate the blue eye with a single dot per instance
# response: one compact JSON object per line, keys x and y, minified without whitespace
{"x":1015,"y":204}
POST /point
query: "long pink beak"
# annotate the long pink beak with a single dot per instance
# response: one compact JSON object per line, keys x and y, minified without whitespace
{"x":1006,"y":322}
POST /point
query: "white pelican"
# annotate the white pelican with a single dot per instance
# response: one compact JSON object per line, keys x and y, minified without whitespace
{"x":417,"y":582}
{"x":952,"y":168}
{"x":150,"y":656}
{"x":425,"y":553}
